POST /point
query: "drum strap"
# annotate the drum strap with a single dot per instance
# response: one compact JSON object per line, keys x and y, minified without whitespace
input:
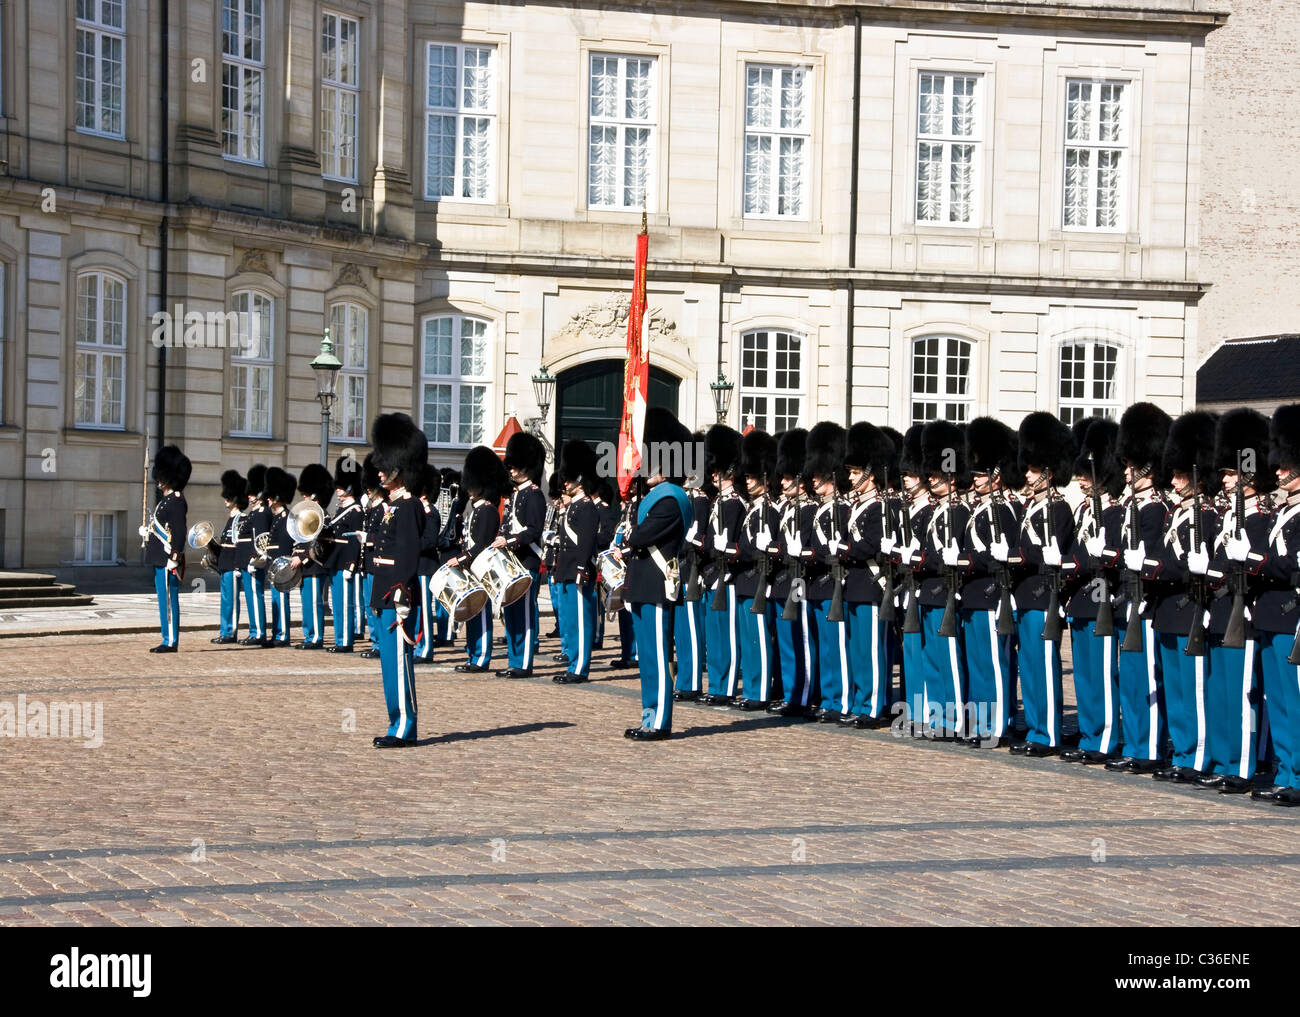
{"x":672,"y":578}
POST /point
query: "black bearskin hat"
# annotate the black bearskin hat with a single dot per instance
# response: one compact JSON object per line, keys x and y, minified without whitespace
{"x":824,"y":455}
{"x":1142,"y":432}
{"x":909,"y":460}
{"x":895,"y":470}
{"x":233,"y":486}
{"x":484,"y":474}
{"x":400,"y":447}
{"x":757,"y":457}
{"x":347,"y":475}
{"x":431,"y":483}
{"x":1190,"y":443}
{"x":578,"y":462}
{"x":370,"y":473}
{"x":171,"y":468}
{"x":316,"y":481}
{"x":989,"y":444}
{"x":554,"y":486}
{"x":1046,"y":442}
{"x":1244,"y":431}
{"x":1098,"y":441}
{"x":524,"y":452}
{"x":791,"y":446}
{"x":868,"y":448}
{"x":280,"y":485}
{"x":1284,"y":437}
{"x":667,"y":447}
{"x":450,"y":479}
{"x":721,"y":450}
{"x":943,"y":451}
{"x":256,"y":480}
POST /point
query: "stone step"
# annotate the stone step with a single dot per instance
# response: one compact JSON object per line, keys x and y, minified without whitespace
{"x":10,"y":603}
{"x":25,"y":579}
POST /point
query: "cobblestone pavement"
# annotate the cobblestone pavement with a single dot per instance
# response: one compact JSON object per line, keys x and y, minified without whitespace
{"x":231,"y":788}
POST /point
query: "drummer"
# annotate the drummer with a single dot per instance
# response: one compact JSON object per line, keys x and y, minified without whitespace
{"x":484,"y":481}
{"x":521,"y":534}
{"x":575,"y":573}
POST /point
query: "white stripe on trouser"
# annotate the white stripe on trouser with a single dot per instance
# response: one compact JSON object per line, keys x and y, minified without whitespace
{"x":528,"y":628}
{"x":764,"y":678}
{"x":807,"y":653}
{"x":318,"y":610}
{"x":695,"y":647}
{"x":732,"y":624}
{"x":356,"y":599}
{"x":998,"y":707}
{"x":582,"y":626}
{"x":484,"y":638}
{"x":1051,"y":690}
{"x":426,"y":617}
{"x":171,"y":615}
{"x":956,"y":687}
{"x":1199,"y":663}
{"x":875,"y":659}
{"x":1107,"y":731}
{"x":1247,"y":710}
{"x":661,"y":663}
{"x":844,"y":665}
{"x":258,"y":605}
{"x":399,"y":647}
{"x":1153,"y":713}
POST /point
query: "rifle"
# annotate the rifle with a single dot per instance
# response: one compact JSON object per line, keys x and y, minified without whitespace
{"x":144,"y":495}
{"x":1105,"y":625}
{"x":1052,"y":627}
{"x":1133,"y":634}
{"x":888,"y":612}
{"x":1234,"y":636}
{"x":719,"y":602}
{"x":948,"y":624}
{"x":763,"y":562}
{"x":791,"y":610}
{"x":1196,"y":584}
{"x":835,"y":613}
{"x":1002,"y":574}
{"x":912,"y":616}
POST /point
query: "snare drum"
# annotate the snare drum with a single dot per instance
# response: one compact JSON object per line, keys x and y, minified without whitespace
{"x":460,"y":596}
{"x":284,"y":574}
{"x":613,"y":573}
{"x":501,"y":575}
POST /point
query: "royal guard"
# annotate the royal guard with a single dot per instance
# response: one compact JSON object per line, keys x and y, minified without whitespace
{"x":256,"y":519}
{"x":913,"y":518}
{"x":575,"y":571}
{"x":521,"y":534}
{"x":280,"y":487}
{"x":165,"y":542}
{"x":484,"y":480}
{"x":344,"y":560}
{"x":722,"y":620}
{"x":826,"y":480}
{"x":373,"y":500}
{"x":451,"y":500}
{"x":430,"y":486}
{"x":317,"y":485}
{"x":234,"y":493}
{"x":758,"y":557}
{"x":796,"y":631}
{"x":688,"y":615}
{"x":559,"y":505}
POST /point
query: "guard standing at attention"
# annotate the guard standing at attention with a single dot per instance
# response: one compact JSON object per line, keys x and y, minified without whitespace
{"x":722,"y":622}
{"x":430,"y":486}
{"x":280,"y":487}
{"x":759,"y":548}
{"x":165,"y":546}
{"x":234,"y":492}
{"x":688,"y":615}
{"x":373,"y":501}
{"x":317,"y":485}
{"x":575,"y":573}
{"x":345,"y":555}
{"x":484,"y":480}
{"x":796,"y":632}
{"x":256,"y":519}
{"x":521,"y":534}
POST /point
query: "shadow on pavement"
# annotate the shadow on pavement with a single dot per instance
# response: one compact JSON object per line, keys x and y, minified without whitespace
{"x":740,"y":725}
{"x":465,"y":736}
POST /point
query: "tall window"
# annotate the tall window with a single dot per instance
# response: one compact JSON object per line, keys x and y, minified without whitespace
{"x":100,"y":369}
{"x":1095,"y":146}
{"x":1089,"y":380}
{"x":771,"y":385}
{"x":340,"y":96}
{"x":777,"y":142}
{"x":947,"y":149}
{"x":621,"y":134}
{"x":243,"y":70}
{"x":460,"y":122}
{"x":455,"y":380}
{"x":94,"y":539}
{"x":4,"y":333}
{"x":252,"y":365}
{"x":101,"y":41}
{"x":940,"y":378}
{"x":348,"y":328}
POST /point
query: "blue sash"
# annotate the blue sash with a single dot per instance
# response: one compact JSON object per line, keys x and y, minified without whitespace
{"x":661,"y":491}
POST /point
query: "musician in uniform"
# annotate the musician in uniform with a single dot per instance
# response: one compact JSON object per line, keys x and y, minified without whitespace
{"x":1177,"y":570}
{"x":614,"y":526}
{"x":826,"y":479}
{"x":1046,"y":536}
{"x":316,"y":485}
{"x":374,"y":498}
{"x":722,"y":622}
{"x":758,"y":547}
{"x":688,"y":615}
{"x":559,"y":505}
{"x":401,"y":452}
{"x":575,"y":572}
{"x":521,"y":535}
{"x":234,"y":492}
{"x":914,"y":518}
{"x":1143,"y":428}
{"x":430,"y":486}
{"x":344,"y":558}
{"x":796,"y":632}
{"x":165,"y":542}
{"x":280,"y":487}
{"x":452,"y":499}
{"x":484,"y":481}
{"x":256,"y":519}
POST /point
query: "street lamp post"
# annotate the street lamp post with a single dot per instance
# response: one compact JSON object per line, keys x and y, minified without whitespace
{"x":544,"y":392}
{"x":326,"y":367}
{"x":722,"y":390}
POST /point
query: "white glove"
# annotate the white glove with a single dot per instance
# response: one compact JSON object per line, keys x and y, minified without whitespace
{"x":1096,"y":547}
{"x":142,"y":530}
{"x":887,"y":545}
{"x":1198,"y":562}
{"x":1051,"y":555}
{"x":719,"y":542}
{"x":172,"y":566}
{"x":690,"y":534}
{"x":910,"y":551}
{"x":796,"y":544}
{"x":1000,"y":550}
{"x":762,"y":541}
{"x":833,"y":546}
{"x":1135,"y":558}
{"x":950,"y":555}
{"x":362,"y":535}
{"x":1237,"y":550}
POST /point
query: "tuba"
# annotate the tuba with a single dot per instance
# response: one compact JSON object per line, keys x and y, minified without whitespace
{"x":306,"y":525}
{"x":202,"y":537}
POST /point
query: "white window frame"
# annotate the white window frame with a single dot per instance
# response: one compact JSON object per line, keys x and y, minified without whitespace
{"x":4,"y":332}
{"x":753,"y":388}
{"x":340,"y":85}
{"x":776,"y":135}
{"x":1094,"y":145}
{"x":462,"y":113}
{"x":620,"y":125}
{"x":947,"y":348}
{"x":95,"y":23}
{"x":947,"y":140}
{"x":247,"y":361}
{"x":1087,"y":405}
{"x":98,"y":345}
{"x":456,"y":381}
{"x":84,"y":538}
{"x":350,"y":331}
{"x":249,"y":132}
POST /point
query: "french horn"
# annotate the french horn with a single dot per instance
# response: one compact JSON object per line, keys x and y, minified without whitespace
{"x":203,"y":537}
{"x":306,"y":525}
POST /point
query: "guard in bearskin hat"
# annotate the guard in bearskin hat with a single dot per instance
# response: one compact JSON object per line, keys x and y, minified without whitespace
{"x":342,"y":564}
{"x":484,"y":481}
{"x":796,"y":630}
{"x":401,"y":451}
{"x":165,"y":541}
{"x":914,"y":510}
{"x":430,"y":560}
{"x":576,"y":571}
{"x":987,"y":616}
{"x":373,"y":500}
{"x":722,"y":621}
{"x":234,"y":493}
{"x":1045,"y":538}
{"x":826,"y":479}
{"x":551,"y":545}
{"x":280,"y":488}
{"x":755,"y":562}
{"x":688,"y":615}
{"x":316,"y":485}
{"x":252,"y":566}
{"x":607,"y":503}
{"x":521,"y":534}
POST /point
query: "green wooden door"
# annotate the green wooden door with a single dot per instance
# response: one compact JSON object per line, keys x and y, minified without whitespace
{"x":589,"y":400}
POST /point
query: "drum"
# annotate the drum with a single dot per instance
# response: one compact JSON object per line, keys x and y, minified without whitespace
{"x":501,"y":575}
{"x":613,"y":573}
{"x":457,"y":593}
{"x":284,"y":575}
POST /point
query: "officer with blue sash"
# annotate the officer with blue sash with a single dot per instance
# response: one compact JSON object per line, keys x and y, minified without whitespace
{"x":484,"y":480}
{"x":165,"y":542}
{"x":234,"y":492}
{"x":575,"y":571}
{"x":342,"y":566}
{"x":521,"y":534}
{"x":256,"y":519}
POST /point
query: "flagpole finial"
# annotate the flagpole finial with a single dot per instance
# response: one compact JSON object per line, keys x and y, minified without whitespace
{"x":644,"y":208}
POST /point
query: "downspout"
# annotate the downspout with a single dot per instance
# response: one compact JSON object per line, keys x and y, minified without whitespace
{"x":164,"y":59}
{"x":853,"y":209}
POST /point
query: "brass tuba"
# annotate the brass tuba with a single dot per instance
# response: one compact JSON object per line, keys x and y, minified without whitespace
{"x":202,"y":537}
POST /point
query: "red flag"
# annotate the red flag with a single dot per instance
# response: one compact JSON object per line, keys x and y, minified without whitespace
{"x":636,"y":378}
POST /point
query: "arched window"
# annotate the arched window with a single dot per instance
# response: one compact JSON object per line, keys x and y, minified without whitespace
{"x":100,"y":369}
{"x":771,"y":379}
{"x":349,"y":329}
{"x":941,"y":378}
{"x":1089,"y":380}
{"x":455,"y":380}
{"x":253,"y":363}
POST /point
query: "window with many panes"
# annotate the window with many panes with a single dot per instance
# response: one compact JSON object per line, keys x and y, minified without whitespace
{"x":1096,"y":144}
{"x":460,"y":122}
{"x":99,"y":381}
{"x":621,"y":132}
{"x":1089,"y":380}
{"x":349,"y":328}
{"x":340,"y":96}
{"x":252,"y":364}
{"x":101,"y":45}
{"x":777,"y":141}
{"x":94,"y":539}
{"x":771,"y":379}
{"x":243,"y":73}
{"x":941,"y":378}
{"x":947,"y":149}
{"x":455,"y":380}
